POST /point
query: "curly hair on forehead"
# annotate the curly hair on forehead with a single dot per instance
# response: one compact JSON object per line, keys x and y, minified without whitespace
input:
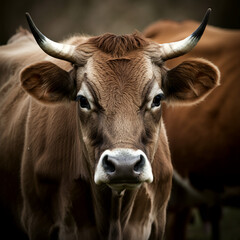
{"x":118,"y":46}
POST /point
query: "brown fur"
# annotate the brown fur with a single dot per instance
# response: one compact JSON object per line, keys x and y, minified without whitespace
{"x":54,"y":145}
{"x":204,"y":139}
{"x":118,"y":46}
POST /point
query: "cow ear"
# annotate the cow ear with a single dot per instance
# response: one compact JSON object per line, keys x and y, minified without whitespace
{"x":48,"y":83}
{"x":190,"y":81}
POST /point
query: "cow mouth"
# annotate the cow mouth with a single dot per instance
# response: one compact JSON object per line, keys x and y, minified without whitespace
{"x":124,"y":186}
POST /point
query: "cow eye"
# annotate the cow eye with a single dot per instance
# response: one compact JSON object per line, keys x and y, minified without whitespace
{"x":83,"y":102}
{"x":157,"y":100}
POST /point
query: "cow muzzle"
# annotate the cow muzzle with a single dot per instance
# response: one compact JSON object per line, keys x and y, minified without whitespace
{"x":123,"y":168}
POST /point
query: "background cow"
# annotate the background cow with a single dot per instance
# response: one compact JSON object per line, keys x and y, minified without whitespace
{"x":204,"y":139}
{"x":84,"y":153}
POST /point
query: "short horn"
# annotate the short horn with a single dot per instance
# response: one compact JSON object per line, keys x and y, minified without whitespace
{"x":176,"y":49}
{"x":54,"y":49}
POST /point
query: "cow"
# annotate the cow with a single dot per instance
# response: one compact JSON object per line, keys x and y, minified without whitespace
{"x":84,"y":152}
{"x":204,"y":139}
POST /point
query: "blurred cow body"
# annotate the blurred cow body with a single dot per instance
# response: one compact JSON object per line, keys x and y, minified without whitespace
{"x":204,"y":139}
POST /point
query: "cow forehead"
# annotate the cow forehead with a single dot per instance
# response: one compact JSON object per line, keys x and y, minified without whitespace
{"x":130,"y":68}
{"x":119,"y":78}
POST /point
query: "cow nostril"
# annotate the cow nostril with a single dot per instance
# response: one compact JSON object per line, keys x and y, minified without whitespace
{"x":108,"y":165}
{"x":138,"y":167}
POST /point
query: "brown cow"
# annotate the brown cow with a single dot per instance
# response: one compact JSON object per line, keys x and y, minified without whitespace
{"x":204,"y":139}
{"x":84,"y":153}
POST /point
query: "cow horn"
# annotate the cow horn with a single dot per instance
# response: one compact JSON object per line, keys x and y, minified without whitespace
{"x":54,"y":49}
{"x":176,"y":49}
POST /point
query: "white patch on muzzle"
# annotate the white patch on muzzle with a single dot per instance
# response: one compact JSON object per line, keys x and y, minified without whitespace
{"x":101,"y":176}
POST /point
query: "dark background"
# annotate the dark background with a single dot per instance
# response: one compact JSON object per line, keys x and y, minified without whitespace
{"x":59,"y":19}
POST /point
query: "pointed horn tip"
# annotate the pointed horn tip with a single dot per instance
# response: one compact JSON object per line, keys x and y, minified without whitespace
{"x":190,"y":41}
{"x":206,"y":16}
{"x":39,"y":37}
{"x":209,"y":10}
{"x":30,"y":21}
{"x":200,"y":30}
{"x":28,"y":16}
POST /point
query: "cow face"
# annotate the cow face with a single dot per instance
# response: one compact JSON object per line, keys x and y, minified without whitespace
{"x":120,"y":110}
{"x":119,"y":89}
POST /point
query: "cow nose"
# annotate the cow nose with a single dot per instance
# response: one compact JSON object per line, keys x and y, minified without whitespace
{"x":123,"y":167}
{"x":126,"y":166}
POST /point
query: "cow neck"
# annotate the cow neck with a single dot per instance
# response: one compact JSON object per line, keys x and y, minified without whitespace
{"x":121,"y":209}
{"x":115,"y":229}
{"x":112,"y":211}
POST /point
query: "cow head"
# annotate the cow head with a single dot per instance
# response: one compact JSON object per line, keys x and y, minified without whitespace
{"x":119,"y":83}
